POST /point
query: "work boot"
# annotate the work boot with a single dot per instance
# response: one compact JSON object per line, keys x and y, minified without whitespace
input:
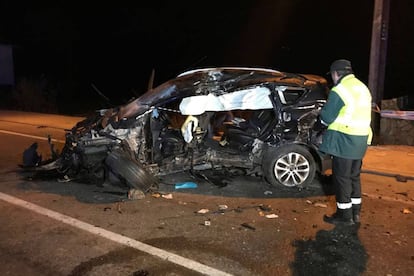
{"x":342,"y":216}
{"x":356,"y":209}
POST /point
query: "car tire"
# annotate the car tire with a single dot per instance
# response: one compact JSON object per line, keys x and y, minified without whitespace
{"x":289,"y":166}
{"x":130,"y":171}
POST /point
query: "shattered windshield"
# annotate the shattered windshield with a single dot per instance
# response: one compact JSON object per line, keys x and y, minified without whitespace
{"x":159,"y":94}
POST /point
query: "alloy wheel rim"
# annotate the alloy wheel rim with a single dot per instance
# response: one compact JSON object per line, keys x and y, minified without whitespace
{"x":292,"y":169}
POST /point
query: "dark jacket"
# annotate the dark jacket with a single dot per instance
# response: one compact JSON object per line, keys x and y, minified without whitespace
{"x":338,"y":143}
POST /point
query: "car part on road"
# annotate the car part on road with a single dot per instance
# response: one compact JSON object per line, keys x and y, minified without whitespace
{"x":130,"y":171}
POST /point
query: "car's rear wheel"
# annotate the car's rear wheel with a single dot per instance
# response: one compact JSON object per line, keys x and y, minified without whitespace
{"x":289,"y":166}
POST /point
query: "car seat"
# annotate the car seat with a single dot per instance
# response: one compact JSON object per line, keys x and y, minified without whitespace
{"x":254,"y":127}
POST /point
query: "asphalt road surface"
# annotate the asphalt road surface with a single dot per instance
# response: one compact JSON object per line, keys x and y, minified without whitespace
{"x":225,"y":226}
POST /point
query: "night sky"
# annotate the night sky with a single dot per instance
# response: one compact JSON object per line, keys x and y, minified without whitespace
{"x":115,"y":46}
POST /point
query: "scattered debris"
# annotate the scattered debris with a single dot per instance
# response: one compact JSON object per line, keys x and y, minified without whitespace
{"x":167,"y":196}
{"x":316,"y":204}
{"x":223,"y":207}
{"x":134,"y":194}
{"x":118,"y":208}
{"x":65,"y":178}
{"x":271,"y":216}
{"x":186,"y":185}
{"x":268,"y":193}
{"x":203,"y":211}
{"x":248,"y":226}
{"x":156,"y":195}
{"x":207,"y":222}
{"x":265,"y":208}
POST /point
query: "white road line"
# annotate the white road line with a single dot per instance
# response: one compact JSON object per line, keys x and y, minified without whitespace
{"x":30,"y":136}
{"x":165,"y":255}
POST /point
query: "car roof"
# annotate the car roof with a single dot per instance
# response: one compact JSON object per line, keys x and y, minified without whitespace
{"x":219,"y":80}
{"x":251,"y":75}
{"x":257,"y":69}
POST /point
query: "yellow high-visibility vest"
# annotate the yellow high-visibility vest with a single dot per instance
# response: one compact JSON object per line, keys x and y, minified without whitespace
{"x":354,"y":118}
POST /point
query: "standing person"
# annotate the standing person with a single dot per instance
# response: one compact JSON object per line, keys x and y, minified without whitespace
{"x":347,"y":113}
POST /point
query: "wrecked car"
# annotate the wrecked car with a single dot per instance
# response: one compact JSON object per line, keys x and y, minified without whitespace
{"x":252,"y":121}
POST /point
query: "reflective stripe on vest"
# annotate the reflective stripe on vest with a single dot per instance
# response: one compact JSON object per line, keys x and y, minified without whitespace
{"x":354,"y":118}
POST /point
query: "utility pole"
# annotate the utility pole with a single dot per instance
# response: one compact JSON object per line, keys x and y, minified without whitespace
{"x":379,"y":39}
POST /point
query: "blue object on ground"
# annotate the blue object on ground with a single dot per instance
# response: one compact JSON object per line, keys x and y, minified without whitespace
{"x":185,"y":185}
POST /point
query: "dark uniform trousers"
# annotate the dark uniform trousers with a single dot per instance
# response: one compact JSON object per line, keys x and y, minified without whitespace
{"x":346,"y":176}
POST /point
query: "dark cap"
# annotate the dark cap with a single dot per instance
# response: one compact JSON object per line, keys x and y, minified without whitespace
{"x":341,"y":65}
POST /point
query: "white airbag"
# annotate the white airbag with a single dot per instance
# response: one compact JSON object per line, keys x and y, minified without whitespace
{"x":253,"y":99}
